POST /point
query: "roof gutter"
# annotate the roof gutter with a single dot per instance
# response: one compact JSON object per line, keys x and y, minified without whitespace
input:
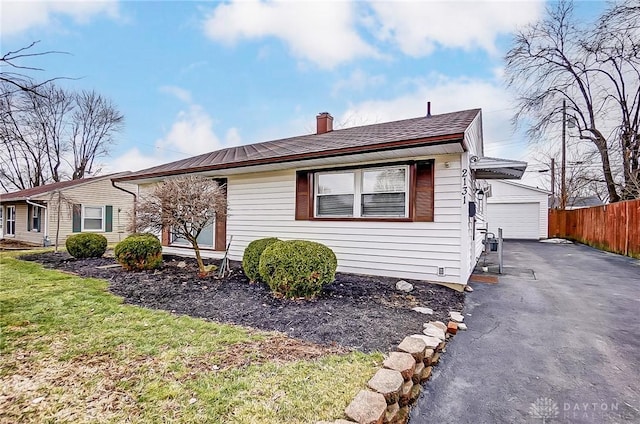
{"x":135,"y":203}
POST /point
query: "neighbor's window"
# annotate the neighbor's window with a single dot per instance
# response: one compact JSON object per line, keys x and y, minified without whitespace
{"x":366,"y":193}
{"x":36,"y":214}
{"x":11,"y":221}
{"x":92,"y":218}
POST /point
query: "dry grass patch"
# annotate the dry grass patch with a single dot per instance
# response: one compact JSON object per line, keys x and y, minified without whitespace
{"x":72,"y":352}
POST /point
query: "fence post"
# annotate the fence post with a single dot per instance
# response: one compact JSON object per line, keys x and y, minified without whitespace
{"x":626,"y":229}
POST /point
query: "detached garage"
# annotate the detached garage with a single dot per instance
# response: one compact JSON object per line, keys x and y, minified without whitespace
{"x":520,"y":210}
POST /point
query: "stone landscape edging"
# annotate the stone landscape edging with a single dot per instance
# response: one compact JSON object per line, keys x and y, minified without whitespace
{"x":396,"y":386}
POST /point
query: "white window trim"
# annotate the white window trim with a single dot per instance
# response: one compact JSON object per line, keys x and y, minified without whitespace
{"x":82,"y":217}
{"x":316,"y":179}
{"x":358,"y":191}
{"x":13,"y":215}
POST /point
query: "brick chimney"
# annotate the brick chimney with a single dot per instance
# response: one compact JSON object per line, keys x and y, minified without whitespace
{"x":325,"y":122}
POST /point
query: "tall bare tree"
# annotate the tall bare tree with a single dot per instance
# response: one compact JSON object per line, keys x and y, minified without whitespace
{"x":184,"y":206}
{"x":95,"y":120}
{"x":50,"y":134}
{"x":13,"y":72}
{"x":595,"y":69}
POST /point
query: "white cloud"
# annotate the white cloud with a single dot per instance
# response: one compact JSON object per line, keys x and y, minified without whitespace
{"x":177,"y":92}
{"x":448,"y":95}
{"x":19,"y":16}
{"x":192,"y":133}
{"x":417,"y":28}
{"x":358,"y":80}
{"x":320,"y":32}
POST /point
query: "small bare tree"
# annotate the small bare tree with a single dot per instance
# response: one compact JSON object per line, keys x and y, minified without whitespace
{"x":185,"y":206}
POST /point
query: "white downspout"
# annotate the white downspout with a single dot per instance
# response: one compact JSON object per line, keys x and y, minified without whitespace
{"x":46,"y":220}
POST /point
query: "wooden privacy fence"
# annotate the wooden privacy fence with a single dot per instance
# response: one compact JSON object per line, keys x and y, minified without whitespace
{"x":614,"y":227}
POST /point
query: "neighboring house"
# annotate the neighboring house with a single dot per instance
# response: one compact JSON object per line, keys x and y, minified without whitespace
{"x":520,"y":210}
{"x":391,"y":199}
{"x":37,"y":215}
{"x":577,"y":202}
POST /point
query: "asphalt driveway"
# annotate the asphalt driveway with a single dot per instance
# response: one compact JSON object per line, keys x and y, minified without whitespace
{"x":557,"y":340}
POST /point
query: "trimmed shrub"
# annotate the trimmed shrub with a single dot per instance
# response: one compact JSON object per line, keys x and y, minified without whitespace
{"x":297,"y":268}
{"x":139,"y":252}
{"x":86,"y":245}
{"x":251,"y":257}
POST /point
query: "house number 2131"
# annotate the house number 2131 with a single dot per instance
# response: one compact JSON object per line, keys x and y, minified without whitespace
{"x":465,"y":188}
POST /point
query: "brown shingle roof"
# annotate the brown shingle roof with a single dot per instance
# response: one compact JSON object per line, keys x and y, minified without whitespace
{"x":43,"y":189}
{"x":444,"y":128}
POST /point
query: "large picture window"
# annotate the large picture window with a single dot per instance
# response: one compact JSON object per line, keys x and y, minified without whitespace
{"x":205,"y":238}
{"x":389,"y":192}
{"x":363,"y":193}
{"x":92,"y":218}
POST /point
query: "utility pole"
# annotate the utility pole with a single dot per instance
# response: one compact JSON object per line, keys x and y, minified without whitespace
{"x":563,"y":187}
{"x":553,"y":182}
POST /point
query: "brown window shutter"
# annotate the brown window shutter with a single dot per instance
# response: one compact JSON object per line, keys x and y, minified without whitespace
{"x":221,"y":224}
{"x":423,"y":193}
{"x":304,"y":195}
{"x":166,"y":237}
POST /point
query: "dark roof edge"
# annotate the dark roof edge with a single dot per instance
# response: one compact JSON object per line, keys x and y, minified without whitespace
{"x":432,"y":141}
{"x":5,"y":197}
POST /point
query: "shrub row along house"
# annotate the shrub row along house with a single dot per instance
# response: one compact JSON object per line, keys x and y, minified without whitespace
{"x":400,"y":199}
{"x":42,"y":214}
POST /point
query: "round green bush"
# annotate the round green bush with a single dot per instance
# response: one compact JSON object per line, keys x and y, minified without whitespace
{"x":251,"y":257}
{"x":139,"y":252}
{"x":86,"y":245}
{"x":297,"y":268}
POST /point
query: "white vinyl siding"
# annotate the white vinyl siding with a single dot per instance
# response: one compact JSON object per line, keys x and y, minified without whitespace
{"x":263,"y":205}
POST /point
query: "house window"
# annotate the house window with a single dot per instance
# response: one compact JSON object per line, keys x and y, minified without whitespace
{"x":35,"y":218}
{"x":335,"y":194}
{"x":11,"y":221}
{"x":363,"y":193}
{"x":400,"y":192}
{"x":205,"y":238}
{"x":384,"y":192}
{"x":92,"y":218}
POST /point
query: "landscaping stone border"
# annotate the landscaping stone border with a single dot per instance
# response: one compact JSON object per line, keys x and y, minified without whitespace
{"x":397,"y":385}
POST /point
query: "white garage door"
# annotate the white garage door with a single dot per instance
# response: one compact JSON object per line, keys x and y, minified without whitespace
{"x":517,"y":220}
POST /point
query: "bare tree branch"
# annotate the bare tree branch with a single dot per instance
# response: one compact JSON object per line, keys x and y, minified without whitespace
{"x":185,"y":206}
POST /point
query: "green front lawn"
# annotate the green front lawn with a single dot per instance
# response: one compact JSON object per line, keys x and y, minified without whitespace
{"x":72,"y":352}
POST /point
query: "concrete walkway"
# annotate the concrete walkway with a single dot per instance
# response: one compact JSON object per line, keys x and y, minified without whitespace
{"x":557,"y":340}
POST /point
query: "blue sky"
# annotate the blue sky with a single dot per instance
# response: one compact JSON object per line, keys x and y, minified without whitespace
{"x":192,"y":77}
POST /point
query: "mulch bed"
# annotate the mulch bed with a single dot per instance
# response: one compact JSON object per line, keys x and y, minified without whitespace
{"x":357,"y":312}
